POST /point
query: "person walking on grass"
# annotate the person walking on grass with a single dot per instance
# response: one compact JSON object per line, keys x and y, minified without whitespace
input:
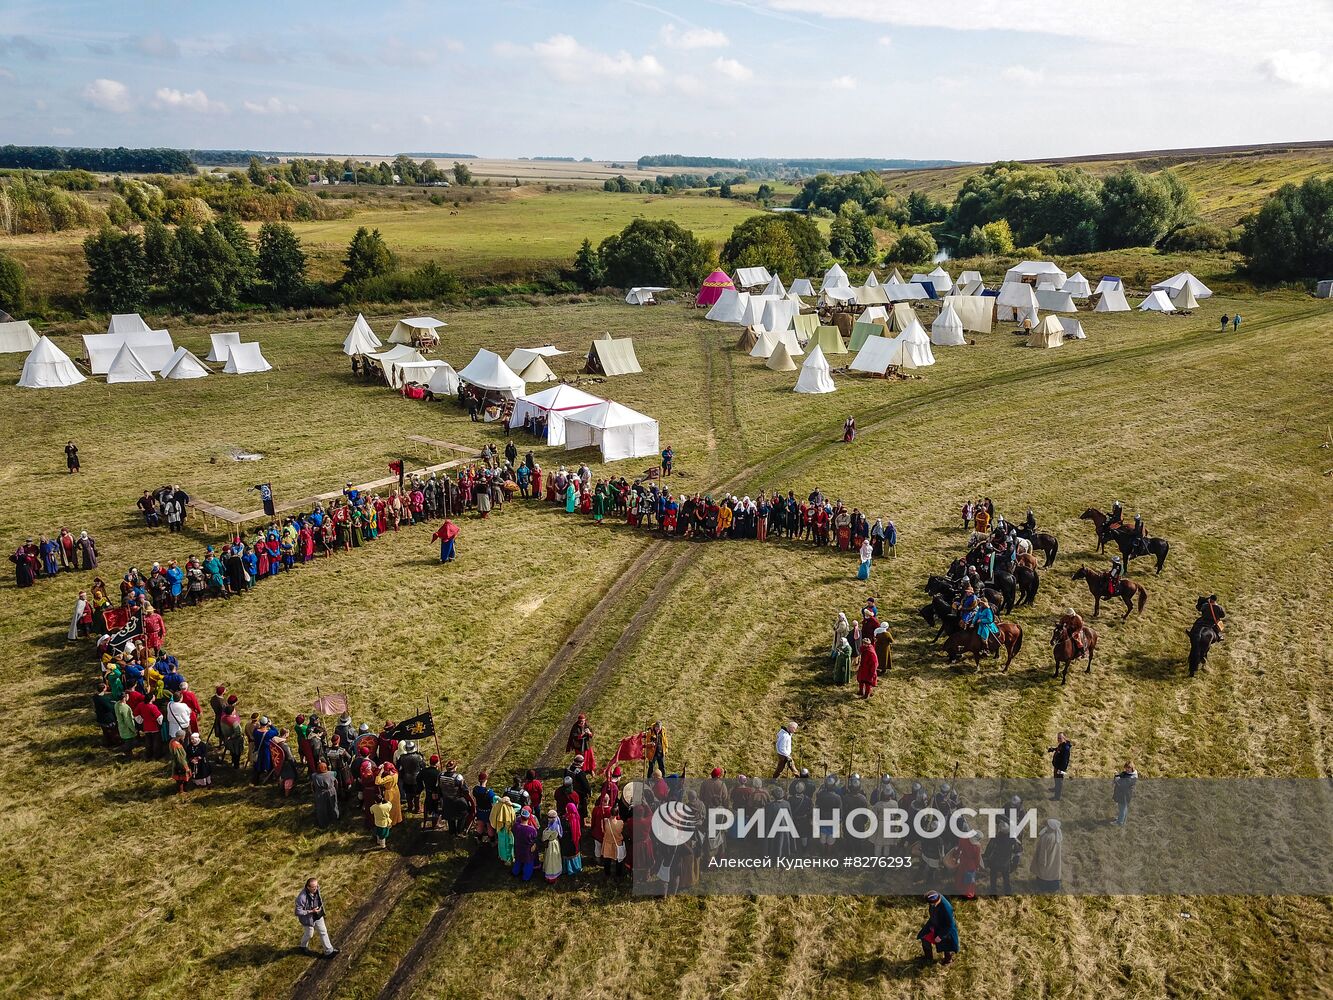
{"x":1122,"y":791}
{"x":72,"y":457}
{"x":1235,"y":323}
{"x":310,"y":913}
{"x":1060,"y":754}
{"x":1225,"y":320}
{"x":381,"y":817}
{"x":783,"y":748}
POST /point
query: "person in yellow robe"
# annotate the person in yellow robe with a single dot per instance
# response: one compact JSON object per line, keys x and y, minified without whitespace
{"x":552,"y":863}
{"x":388,"y":784}
{"x":503,"y":817}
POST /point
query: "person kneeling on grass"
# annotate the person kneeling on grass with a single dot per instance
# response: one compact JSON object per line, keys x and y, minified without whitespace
{"x":940,"y":930}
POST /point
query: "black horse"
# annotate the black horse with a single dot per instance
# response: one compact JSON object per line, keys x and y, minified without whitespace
{"x":1000,"y":599}
{"x":1205,"y":631}
{"x":1048,"y":545}
{"x":1028,"y":583}
{"x":1131,"y":549}
{"x":940,"y":611}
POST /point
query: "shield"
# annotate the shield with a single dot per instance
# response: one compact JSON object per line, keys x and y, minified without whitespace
{"x":369,"y":744}
{"x":632,"y":792}
{"x":278,"y":753}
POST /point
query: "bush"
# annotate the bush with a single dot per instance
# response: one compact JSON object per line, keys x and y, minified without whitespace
{"x":429,"y":281}
{"x":1196,"y":236}
{"x":29,"y":205}
{"x":914,"y":246}
{"x":1291,"y":236}
{"x":13,"y":286}
{"x":655,"y":252}
{"x":367,"y":257}
{"x":117,"y":275}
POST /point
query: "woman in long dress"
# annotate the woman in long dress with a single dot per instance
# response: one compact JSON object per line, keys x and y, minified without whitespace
{"x":552,"y":863}
{"x":571,"y":497}
{"x":867,"y":550}
{"x":571,"y":834}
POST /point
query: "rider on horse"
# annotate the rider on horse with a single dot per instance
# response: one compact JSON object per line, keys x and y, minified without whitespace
{"x":966,"y":605}
{"x":1070,"y":626}
{"x":1113,"y":577}
{"x":1140,"y":534}
{"x":1030,"y":523}
{"x":1211,"y":616}
{"x":984,"y":622}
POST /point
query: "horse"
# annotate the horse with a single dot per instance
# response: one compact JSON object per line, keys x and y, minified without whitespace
{"x":999,"y":593}
{"x":1028,"y":581}
{"x":968,"y":642}
{"x":1098,"y":520}
{"x":940,"y":608}
{"x":1027,"y":560}
{"x":1064,"y":652}
{"x":1125,"y":590}
{"x":1129,"y":547}
{"x":1047,"y":545}
{"x":1202,"y":636}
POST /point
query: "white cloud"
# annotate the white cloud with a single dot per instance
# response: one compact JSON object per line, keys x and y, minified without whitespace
{"x":270,"y":106}
{"x":396,"y":52}
{"x":1022,"y":75}
{"x":732,"y":69}
{"x":565,"y":59}
{"x":843,"y":82}
{"x":61,"y":130}
{"x":1307,"y":70}
{"x":195,"y":101}
{"x":693,"y":38}
{"x":108,"y":95}
{"x":886,"y":40}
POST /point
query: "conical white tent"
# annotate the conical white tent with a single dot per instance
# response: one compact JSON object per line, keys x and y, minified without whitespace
{"x":415,"y":329}
{"x":536,"y":370}
{"x":730,"y":306}
{"x":443,"y":381}
{"x":941,"y":280}
{"x":871,"y":280}
{"x":802,"y":286}
{"x":123,"y":323}
{"x":1112,"y":299}
{"x":775,"y":287}
{"x":486,"y":371}
{"x":1184,"y":298}
{"x":754,"y":310}
{"x":48,"y":367}
{"x":360,"y":340}
{"x":555,"y":404}
{"x":1050,"y":332}
{"x":835,"y":277}
{"x":17,"y":337}
{"x":947,"y":330}
{"x":619,"y":431}
{"x":1077,"y":286}
{"x":815,"y":376}
{"x":154,"y":348}
{"x":780,"y":360}
{"x":1184,"y":279}
{"x":1073,"y":328}
{"x":183,"y":365}
{"x":1157,"y":302}
{"x":222,"y":345}
{"x":126,"y":367}
{"x":913,"y":347}
{"x":896,"y":278}
{"x":245,"y":359}
{"x":1108,"y":282}
{"x":764,"y":344}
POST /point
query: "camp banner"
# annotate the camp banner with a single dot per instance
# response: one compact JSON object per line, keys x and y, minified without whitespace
{"x":416,"y":728}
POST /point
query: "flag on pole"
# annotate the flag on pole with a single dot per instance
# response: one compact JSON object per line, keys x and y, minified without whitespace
{"x":631,"y":748}
{"x":416,"y":728}
{"x":266,"y":494}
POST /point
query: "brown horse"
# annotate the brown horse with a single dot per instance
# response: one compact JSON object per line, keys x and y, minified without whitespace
{"x":1064,"y":651}
{"x":1098,"y":520}
{"x":1028,"y":560}
{"x":965,"y":642}
{"x":1125,"y":590}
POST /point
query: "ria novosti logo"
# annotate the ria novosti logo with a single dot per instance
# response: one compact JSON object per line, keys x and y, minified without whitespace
{"x":674,"y":823}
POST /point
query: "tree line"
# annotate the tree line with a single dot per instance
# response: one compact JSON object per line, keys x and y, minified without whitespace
{"x":103,"y":160}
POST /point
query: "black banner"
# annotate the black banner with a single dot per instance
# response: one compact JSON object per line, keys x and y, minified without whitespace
{"x":416,"y":728}
{"x":266,"y":494}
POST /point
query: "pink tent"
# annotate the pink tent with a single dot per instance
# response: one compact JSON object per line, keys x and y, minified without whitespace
{"x":712,"y":288}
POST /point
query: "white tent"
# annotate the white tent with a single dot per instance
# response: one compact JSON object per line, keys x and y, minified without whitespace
{"x":1016,"y":301}
{"x":1157,"y":302}
{"x":414,"y":328}
{"x":775,"y":287}
{"x":871,"y":280}
{"x":802,"y":286}
{"x":780,"y":360}
{"x":536,"y":370}
{"x":1050,"y":332}
{"x":968,"y":287}
{"x":126,"y":367}
{"x":895,"y":278}
{"x":1324,"y":289}
{"x":838,"y":293}
{"x":976,"y":312}
{"x":1178,"y":281}
{"x":834,"y":277}
{"x":941,"y":280}
{"x":912,"y":348}
{"x":1183,"y":298}
{"x":611,"y":356}
{"x":752,"y":277}
{"x":486,"y":371}
{"x":1112,"y":299}
{"x":555,"y":404}
{"x":619,"y":431}
{"x":947,"y":330}
{"x":390,"y":360}
{"x":222,"y":345}
{"x":1040,"y":269}
{"x":967,"y":277}
{"x":1077,"y":286}
{"x":419,"y":372}
{"x":443,"y":381}
{"x":875,"y":355}
{"x":729,"y":307}
{"x":753,"y":313}
{"x":871,"y":295}
{"x":1073,"y":328}
{"x":123,"y":323}
{"x":360,"y":340}
{"x":184,"y":365}
{"x":1052,"y":300}
{"x":904,"y":291}
{"x":768,"y":340}
{"x":815,"y":376}
{"x":154,"y":348}
{"x":778,"y":315}
{"x":643,"y":295}
{"x":17,"y":337}
{"x":1108,"y":282}
{"x":872,"y":313}
{"x":245,"y":359}
{"x":48,"y":367}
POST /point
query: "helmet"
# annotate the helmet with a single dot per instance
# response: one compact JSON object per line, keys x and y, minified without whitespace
{"x":831,"y":780}
{"x":410,"y":747}
{"x":854,"y":781}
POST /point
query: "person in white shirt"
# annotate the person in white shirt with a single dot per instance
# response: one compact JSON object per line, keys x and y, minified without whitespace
{"x":177,"y":717}
{"x":783,"y":747}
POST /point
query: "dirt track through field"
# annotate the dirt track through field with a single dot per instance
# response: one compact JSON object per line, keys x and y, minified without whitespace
{"x":321,"y":977}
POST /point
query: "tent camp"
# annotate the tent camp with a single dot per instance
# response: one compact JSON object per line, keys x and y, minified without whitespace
{"x":828,"y":340}
{"x":1077,"y":286}
{"x":780,"y":360}
{"x":416,"y":372}
{"x":1050,"y":332}
{"x":899,"y":291}
{"x":947,"y":330}
{"x":967,"y":277}
{"x":611,"y":357}
{"x":487,"y":372}
{"x":1073,"y":328}
{"x":153,"y":347}
{"x":522,"y":357}
{"x":245,"y":359}
{"x":775,"y":287}
{"x":126,"y":367}
{"x":912,"y":348}
{"x":870,"y":295}
{"x":802,"y":286}
{"x":815,"y":376}
{"x":1112,"y":299}
{"x":555,"y":404}
{"x":777,"y":314}
{"x":222,"y":344}
{"x":975,"y":312}
{"x":443,"y":381}
{"x":841,"y":294}
{"x":927,"y":285}
{"x":896,"y":278}
{"x":419,"y":330}
{"x":1051,"y":300}
{"x":184,"y":365}
{"x":942,"y":281}
{"x":361,"y":339}
{"x":1178,"y":281}
{"x":1157,"y":302}
{"x":752,"y":277}
{"x":536,"y":370}
{"x":753,"y":312}
{"x":873,"y":313}
{"x":729,"y":307}
{"x":871,"y":280}
{"x":1108,"y":282}
{"x":643,"y":295}
{"x":834,"y":277}
{"x":862,"y":331}
{"x":713,"y":287}
{"x":399,"y":354}
{"x":48,"y":367}
{"x":1040,"y":270}
{"x":617,"y":430}
{"x":1016,"y":302}
{"x":962,"y":287}
{"x":1183,"y":298}
{"x":767,"y":341}
{"x":124,"y":323}
{"x":17,"y":337}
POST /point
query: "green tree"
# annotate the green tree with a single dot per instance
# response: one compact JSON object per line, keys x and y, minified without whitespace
{"x":230,"y":229}
{"x":655,"y":252}
{"x":282,"y":262}
{"x":765,"y":192}
{"x":159,"y":252}
{"x":211,"y":276}
{"x":367,"y":257}
{"x":256,"y":172}
{"x":1291,"y":236}
{"x":1196,"y":235}
{"x":787,"y":243}
{"x":117,"y":274}
{"x":724,"y":190}
{"x":462,"y":174}
{"x":914,"y":246}
{"x":922,"y":208}
{"x":1138,"y":209}
{"x":588,"y":267}
{"x":851,"y":237}
{"x":13,"y":286}
{"x":830,"y":192}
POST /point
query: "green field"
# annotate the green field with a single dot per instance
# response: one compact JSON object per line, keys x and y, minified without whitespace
{"x":117,"y":890}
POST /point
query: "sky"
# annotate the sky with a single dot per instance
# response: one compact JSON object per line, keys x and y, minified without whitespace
{"x":616,"y":79}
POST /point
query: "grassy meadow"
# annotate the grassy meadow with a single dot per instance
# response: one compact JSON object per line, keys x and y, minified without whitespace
{"x":1215,"y":438}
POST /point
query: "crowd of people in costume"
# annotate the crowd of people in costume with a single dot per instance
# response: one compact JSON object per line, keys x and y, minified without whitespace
{"x":49,"y":556}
